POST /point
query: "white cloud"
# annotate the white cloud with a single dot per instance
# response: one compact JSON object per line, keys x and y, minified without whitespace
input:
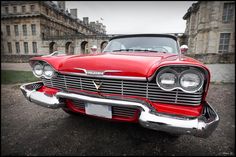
{"x":127,"y":17}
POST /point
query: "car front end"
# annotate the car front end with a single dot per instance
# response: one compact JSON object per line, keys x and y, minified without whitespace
{"x":159,"y":91}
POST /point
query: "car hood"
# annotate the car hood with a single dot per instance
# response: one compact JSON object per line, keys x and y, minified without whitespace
{"x":119,"y":64}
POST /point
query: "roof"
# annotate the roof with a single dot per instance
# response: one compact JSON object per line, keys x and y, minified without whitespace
{"x":145,"y":35}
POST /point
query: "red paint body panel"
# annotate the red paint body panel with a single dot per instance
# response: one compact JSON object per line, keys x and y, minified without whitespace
{"x":131,"y":64}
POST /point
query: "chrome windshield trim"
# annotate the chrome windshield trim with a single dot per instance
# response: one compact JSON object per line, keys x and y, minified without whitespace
{"x":106,"y":76}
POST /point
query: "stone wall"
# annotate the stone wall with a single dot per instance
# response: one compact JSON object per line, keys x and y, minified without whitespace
{"x":16,"y":58}
{"x":214,"y":58}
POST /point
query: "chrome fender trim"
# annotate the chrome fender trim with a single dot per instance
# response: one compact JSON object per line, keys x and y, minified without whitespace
{"x":39,"y":98}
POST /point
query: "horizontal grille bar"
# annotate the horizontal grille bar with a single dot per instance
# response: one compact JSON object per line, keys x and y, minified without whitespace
{"x":125,"y":87}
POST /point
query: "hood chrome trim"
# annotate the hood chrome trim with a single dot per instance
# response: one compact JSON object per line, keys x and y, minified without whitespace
{"x":106,"y":76}
{"x":94,"y":72}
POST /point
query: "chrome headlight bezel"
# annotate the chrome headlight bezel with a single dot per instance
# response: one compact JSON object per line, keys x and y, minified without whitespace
{"x":44,"y":71}
{"x":163,"y":72}
{"x":33,"y":69}
{"x":195,"y":72}
{"x":43,"y":66}
{"x":180,"y":73}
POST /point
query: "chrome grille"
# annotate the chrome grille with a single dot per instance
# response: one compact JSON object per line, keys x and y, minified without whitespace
{"x":124,"y":87}
{"x":116,"y":110}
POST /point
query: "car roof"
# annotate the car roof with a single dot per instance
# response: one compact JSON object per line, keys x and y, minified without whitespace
{"x":144,"y":35}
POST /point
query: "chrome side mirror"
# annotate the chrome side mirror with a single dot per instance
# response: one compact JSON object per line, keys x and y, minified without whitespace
{"x":183,"y":48}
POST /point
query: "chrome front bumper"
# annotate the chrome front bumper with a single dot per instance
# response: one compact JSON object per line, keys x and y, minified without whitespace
{"x":201,"y":126}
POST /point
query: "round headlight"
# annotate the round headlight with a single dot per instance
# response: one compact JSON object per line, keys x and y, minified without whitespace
{"x":38,"y":69}
{"x":167,"y":80}
{"x":191,"y":81}
{"x":48,"y":71}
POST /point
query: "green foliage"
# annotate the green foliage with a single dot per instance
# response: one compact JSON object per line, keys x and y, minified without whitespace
{"x":12,"y":77}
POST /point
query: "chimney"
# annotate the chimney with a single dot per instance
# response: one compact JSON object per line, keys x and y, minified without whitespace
{"x":62,"y":4}
{"x":86,"y":20}
{"x":73,"y":12}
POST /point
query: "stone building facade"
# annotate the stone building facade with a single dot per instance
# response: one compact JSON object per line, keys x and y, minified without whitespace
{"x":41,"y":27}
{"x":210,"y":28}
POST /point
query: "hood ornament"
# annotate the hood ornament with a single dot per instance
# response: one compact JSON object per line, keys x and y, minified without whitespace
{"x":97,"y":85}
{"x":98,"y":73}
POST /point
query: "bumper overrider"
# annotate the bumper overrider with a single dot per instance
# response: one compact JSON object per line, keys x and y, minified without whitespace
{"x":201,"y":126}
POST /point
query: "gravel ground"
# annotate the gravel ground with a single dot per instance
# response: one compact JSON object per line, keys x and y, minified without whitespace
{"x":28,"y":129}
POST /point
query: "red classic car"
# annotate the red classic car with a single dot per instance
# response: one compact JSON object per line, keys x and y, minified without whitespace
{"x":141,"y":78}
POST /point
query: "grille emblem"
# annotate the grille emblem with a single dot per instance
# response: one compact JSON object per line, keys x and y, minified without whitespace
{"x":97,"y":85}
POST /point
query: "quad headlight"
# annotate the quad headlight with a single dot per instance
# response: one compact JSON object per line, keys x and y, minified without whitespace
{"x":190,"y":80}
{"x":167,"y":79}
{"x":45,"y":70}
{"x":48,"y":71}
{"x":38,"y":69}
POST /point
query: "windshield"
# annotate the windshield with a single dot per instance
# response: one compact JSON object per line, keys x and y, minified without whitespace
{"x":149,"y":44}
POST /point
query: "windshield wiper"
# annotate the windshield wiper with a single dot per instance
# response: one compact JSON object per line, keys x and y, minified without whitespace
{"x":122,"y":50}
{"x":146,"y":50}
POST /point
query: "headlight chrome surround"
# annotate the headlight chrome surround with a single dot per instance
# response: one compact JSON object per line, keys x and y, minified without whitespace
{"x":167,"y":79}
{"x":179,"y":76}
{"x":38,"y":66}
{"x":195,"y":73}
{"x":48,"y":71}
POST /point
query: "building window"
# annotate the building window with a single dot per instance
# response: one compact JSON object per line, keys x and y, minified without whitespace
{"x":224,"y":42}
{"x":32,"y":8}
{"x":57,"y":32}
{"x":33,"y":28}
{"x":23,"y":9}
{"x":26,"y":47}
{"x":16,"y":30}
{"x":34,"y":47}
{"x":47,"y":11}
{"x":15,"y":9}
{"x":17,"y":47}
{"x":8,"y":30}
{"x":48,"y":31}
{"x":6,"y":10}
{"x":9,"y":47}
{"x":228,"y":12}
{"x":24,"y":30}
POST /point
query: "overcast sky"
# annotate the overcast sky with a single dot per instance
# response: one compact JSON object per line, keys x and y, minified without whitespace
{"x":129,"y":17}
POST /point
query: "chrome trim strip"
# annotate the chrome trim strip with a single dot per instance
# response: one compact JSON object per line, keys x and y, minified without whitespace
{"x":106,"y":76}
{"x":201,"y":126}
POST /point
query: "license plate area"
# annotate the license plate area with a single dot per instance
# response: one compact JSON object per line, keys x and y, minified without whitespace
{"x":98,"y":110}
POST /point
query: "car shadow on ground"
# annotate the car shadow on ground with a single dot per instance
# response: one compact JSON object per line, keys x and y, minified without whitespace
{"x":92,"y":136}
